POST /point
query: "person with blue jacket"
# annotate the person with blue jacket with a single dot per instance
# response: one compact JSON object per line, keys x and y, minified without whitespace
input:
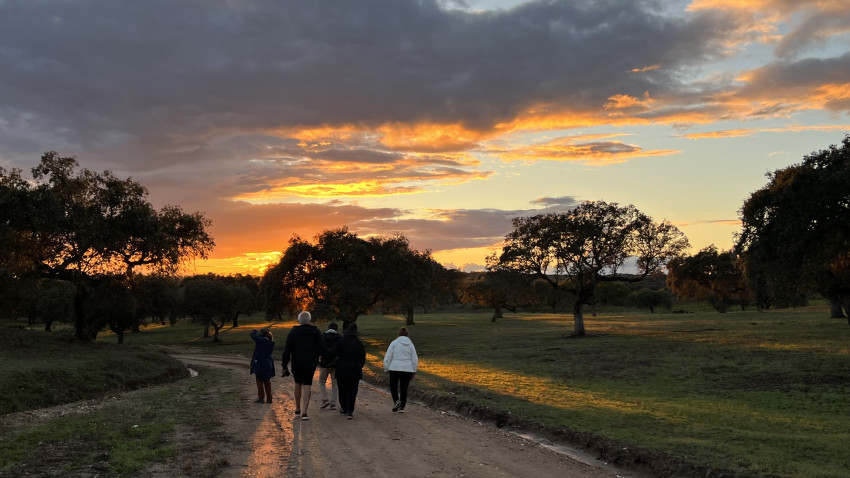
{"x":401,"y":362}
{"x":262,"y":363}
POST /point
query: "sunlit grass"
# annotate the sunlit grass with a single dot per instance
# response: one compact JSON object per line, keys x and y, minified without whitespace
{"x":755,"y":393}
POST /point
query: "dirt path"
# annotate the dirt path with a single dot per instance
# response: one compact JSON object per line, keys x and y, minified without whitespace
{"x":377,"y":442}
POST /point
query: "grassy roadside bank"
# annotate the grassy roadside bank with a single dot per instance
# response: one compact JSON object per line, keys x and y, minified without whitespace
{"x":755,"y":394}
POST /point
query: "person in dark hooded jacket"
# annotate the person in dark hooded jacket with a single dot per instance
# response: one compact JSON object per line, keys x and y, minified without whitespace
{"x":303,"y":347}
{"x":262,"y":363}
{"x":350,"y":359}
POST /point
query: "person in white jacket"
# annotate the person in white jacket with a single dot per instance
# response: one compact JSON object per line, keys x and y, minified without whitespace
{"x":401,"y":362}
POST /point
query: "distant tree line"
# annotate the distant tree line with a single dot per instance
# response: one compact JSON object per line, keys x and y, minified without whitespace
{"x":88,"y":248}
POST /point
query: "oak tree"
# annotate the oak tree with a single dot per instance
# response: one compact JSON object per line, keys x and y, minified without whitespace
{"x":588,"y":245}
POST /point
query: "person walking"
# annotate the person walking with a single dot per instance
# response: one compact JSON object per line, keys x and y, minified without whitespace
{"x":350,"y":359}
{"x":262,"y":363}
{"x":326,"y":368}
{"x":303,"y":347}
{"x":401,"y":362}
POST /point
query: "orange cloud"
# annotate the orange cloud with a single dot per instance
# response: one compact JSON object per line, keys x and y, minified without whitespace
{"x":429,"y":137}
{"x":566,"y":149}
{"x":740,"y":133}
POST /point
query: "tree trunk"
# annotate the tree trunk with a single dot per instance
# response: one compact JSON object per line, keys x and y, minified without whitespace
{"x":206,"y":328}
{"x":409,"y":319}
{"x":845,"y":304}
{"x":216,"y":328}
{"x":835,"y":309}
{"x":80,"y":328}
{"x":497,"y":314}
{"x":236,"y":320}
{"x":578,"y":319}
{"x":120,"y":335}
{"x":48,"y":323}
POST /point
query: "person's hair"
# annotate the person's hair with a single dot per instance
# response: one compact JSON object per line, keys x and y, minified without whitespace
{"x":402,"y":331}
{"x":304,"y":317}
{"x":266,"y":332}
{"x":332,"y":326}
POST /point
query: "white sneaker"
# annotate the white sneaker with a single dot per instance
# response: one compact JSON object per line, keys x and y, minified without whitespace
{"x":396,"y":406}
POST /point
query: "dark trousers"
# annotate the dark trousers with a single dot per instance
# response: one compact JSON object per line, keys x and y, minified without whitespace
{"x":396,"y":379}
{"x":347,"y":393}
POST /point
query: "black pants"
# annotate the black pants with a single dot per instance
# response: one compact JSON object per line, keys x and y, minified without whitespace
{"x":403,"y":379}
{"x":347,"y":393}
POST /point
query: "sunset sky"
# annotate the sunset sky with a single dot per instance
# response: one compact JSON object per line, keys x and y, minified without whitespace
{"x":438,"y":120}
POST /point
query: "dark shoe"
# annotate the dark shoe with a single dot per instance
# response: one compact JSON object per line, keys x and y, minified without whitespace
{"x":297,"y":413}
{"x":396,"y":406}
{"x":325,"y":404}
{"x":350,"y":416}
{"x":333,"y":407}
{"x":268,"y":400}
{"x":305,"y":417}
{"x":400,"y":410}
{"x":259,"y":400}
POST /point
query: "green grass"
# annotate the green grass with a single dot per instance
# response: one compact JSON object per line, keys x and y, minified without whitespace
{"x":755,"y":393}
{"x":121,"y":438}
{"x":40,"y":369}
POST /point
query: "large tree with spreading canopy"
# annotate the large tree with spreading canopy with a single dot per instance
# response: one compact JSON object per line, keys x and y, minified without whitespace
{"x":577,"y":250}
{"x":341,"y":276}
{"x":84,"y":227}
{"x":795,"y":236}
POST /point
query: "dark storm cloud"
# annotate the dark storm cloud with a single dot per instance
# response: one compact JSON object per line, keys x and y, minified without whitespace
{"x":160,"y":75}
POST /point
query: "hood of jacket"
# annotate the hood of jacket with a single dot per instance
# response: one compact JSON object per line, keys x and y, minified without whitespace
{"x":403,"y":340}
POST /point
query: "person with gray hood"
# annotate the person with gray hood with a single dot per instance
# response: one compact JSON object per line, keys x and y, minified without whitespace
{"x":401,"y":362}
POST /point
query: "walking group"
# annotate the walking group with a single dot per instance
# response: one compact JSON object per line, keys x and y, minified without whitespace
{"x":339,"y":357}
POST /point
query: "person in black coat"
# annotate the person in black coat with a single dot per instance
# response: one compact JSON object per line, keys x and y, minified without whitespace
{"x":262,"y":363}
{"x":303,"y":347}
{"x":350,"y":359}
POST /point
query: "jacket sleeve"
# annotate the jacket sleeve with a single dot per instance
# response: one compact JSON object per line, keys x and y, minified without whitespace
{"x":362,"y":357}
{"x":414,"y":358}
{"x":287,"y":350}
{"x":388,"y":357}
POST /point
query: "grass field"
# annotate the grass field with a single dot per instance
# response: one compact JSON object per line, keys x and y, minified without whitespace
{"x":755,"y":393}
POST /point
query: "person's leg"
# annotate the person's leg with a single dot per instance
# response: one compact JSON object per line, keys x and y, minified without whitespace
{"x":323,"y":389}
{"x":267,"y":385}
{"x":405,"y":382}
{"x":297,"y":391}
{"x":355,"y":384}
{"x":259,"y":390}
{"x":334,"y":389}
{"x":305,"y":393}
{"x":394,"y":376}
{"x":343,"y":392}
{"x":345,"y":395}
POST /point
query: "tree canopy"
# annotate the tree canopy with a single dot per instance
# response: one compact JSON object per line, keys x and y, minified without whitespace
{"x":710,"y":275}
{"x":77,"y":225}
{"x":590,"y":244}
{"x":796,"y":231}
{"x":341,"y":276}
